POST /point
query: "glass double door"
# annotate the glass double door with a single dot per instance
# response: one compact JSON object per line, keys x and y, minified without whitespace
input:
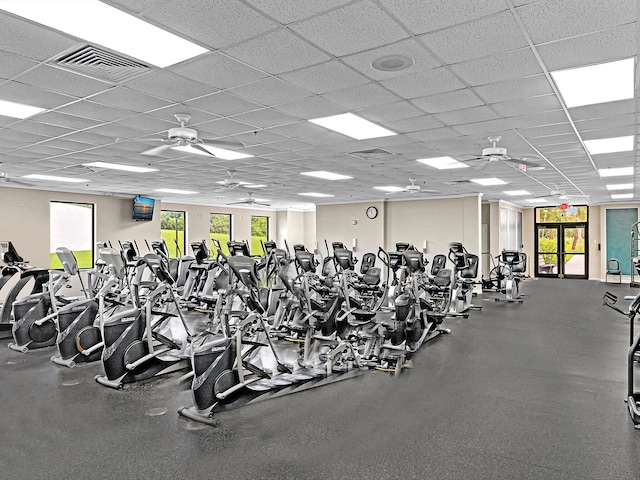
{"x":561,"y":251}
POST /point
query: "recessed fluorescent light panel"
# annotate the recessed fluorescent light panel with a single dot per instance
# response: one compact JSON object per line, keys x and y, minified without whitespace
{"x":390,"y":189}
{"x":327,"y":175}
{"x":218,"y":152}
{"x":488,"y":181}
{"x":536,"y":200}
{"x":615,"y":172}
{"x":100,"y":23}
{"x":620,"y":196}
{"x":606,"y":82}
{"x":352,"y":126}
{"x":610,"y":145}
{"x":36,"y":176}
{"x":18,"y":110}
{"x":442,"y":163}
{"x":313,"y":194}
{"x":173,"y":190}
{"x":515,"y":193}
{"x":620,"y":186}
{"x":118,"y":166}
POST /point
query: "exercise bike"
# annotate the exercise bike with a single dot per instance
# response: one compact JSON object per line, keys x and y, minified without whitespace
{"x":512,"y":267}
{"x":465,"y":272}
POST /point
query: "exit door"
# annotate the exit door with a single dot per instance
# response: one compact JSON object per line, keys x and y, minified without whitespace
{"x":561,"y":250}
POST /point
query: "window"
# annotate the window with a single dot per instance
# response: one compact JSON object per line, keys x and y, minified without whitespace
{"x":220,"y":229}
{"x":570,"y":214}
{"x":72,"y":227}
{"x":173,"y":232}
{"x":259,"y":232}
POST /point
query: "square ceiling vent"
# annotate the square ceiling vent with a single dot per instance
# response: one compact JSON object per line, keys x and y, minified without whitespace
{"x":101,"y":64}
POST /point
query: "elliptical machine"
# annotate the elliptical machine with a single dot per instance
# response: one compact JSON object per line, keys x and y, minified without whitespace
{"x":15,"y":265}
{"x":79,"y":339}
{"x":151,"y":338}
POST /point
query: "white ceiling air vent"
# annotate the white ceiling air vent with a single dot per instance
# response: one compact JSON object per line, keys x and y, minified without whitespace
{"x":101,"y":64}
{"x":374,"y":152}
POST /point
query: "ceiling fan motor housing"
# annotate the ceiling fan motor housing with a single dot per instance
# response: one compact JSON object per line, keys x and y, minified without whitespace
{"x":494,"y":151}
{"x":412,"y":188}
{"x":183,"y":133}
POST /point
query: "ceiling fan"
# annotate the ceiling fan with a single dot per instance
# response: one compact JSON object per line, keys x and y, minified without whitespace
{"x":250,"y":201}
{"x":412,"y":189}
{"x":184,"y":136}
{"x":494,"y":153}
{"x":231,"y":183}
{"x":562,"y":194}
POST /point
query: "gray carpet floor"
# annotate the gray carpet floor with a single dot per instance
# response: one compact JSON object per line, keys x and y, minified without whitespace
{"x":530,"y":391}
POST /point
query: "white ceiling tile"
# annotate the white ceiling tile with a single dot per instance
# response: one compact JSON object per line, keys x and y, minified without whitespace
{"x":424,"y":122}
{"x":167,"y":114}
{"x":167,"y":85}
{"x":278,"y":52}
{"x":614,"y":44}
{"x":547,"y":131}
{"x":218,"y":24}
{"x":69,"y":121}
{"x":63,"y":81}
{"x":218,"y":70}
{"x":514,"y":108}
{"x":351,"y":29}
{"x":270,"y":91}
{"x":503,"y":66}
{"x":539,"y":119}
{"x":223,"y":104}
{"x":491,"y":127}
{"x":267,"y":117}
{"x":288,"y":11}
{"x":137,"y":6}
{"x":542,"y":141}
{"x":361,"y":96}
{"x":442,"y":102}
{"x":479,"y":38}
{"x":409,"y":48}
{"x":310,"y":107}
{"x":95,"y":111}
{"x":466,"y":115}
{"x":224,"y":126}
{"x":148,"y":124}
{"x":621,"y":131}
{"x":22,"y":93}
{"x":31,"y":40}
{"x":421,"y":84}
{"x":390,"y":112}
{"x":14,"y":64}
{"x":603,"y":110}
{"x":325,"y":77}
{"x":435,"y":134}
{"x":606,"y":123}
{"x":123,"y":97}
{"x":42,"y":129}
{"x":420,"y":16}
{"x":517,"y":88}
{"x":291,"y":145}
{"x":552,"y":20}
{"x":299,"y":129}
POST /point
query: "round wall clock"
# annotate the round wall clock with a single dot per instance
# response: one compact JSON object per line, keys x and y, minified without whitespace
{"x":372,"y":212}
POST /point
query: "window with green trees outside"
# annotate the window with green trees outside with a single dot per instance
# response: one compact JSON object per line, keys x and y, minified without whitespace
{"x":172,"y":229}
{"x":219,"y":229}
{"x":259,"y":232}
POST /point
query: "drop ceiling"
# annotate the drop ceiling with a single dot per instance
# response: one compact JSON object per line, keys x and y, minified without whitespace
{"x":480,"y":69}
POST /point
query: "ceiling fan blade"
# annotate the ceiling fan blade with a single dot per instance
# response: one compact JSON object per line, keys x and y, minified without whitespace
{"x":157,"y":150}
{"x":262,"y":204}
{"x":202,"y":149}
{"x":523,"y":161}
{"x":473,"y":158}
{"x":524,"y":156}
{"x":240,"y":203}
{"x":222,"y":143}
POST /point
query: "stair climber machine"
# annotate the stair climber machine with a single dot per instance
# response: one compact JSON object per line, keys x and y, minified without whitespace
{"x":417,"y":318}
{"x":465,"y":272}
{"x":231,"y":371}
{"x":78,"y":334}
{"x":13,"y":284}
{"x":633,"y":357}
{"x":150,"y":337}
{"x":33,"y":316}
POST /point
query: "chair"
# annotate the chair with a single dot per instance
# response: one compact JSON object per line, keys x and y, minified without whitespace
{"x":613,"y":269}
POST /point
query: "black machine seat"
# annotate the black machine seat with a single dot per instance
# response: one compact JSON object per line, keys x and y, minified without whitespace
{"x":305,"y":261}
{"x":517,"y":261}
{"x":238,"y":248}
{"x":160,"y":267}
{"x":441,"y":281}
{"x":368,"y":261}
{"x":245,"y":269}
{"x":9,"y":254}
{"x":414,"y":261}
{"x":439,"y":262}
{"x":344,"y":258}
{"x":471,"y":270}
{"x":200,"y":251}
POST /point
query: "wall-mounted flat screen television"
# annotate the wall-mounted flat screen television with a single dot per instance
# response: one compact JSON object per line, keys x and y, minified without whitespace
{"x":143,"y":208}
